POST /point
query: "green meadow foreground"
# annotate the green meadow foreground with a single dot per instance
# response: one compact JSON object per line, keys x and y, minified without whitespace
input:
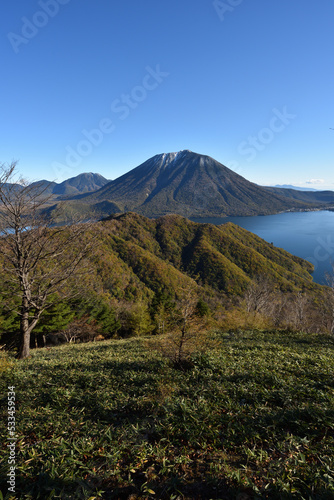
{"x":251,"y":418}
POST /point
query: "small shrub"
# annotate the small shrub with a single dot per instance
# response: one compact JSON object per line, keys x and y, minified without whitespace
{"x":189,"y":334}
{"x":179,"y":348}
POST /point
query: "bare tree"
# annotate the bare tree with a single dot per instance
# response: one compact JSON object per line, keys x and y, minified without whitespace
{"x":258,"y":296}
{"x":300,"y":308}
{"x":39,"y":258}
{"x":80,"y":330}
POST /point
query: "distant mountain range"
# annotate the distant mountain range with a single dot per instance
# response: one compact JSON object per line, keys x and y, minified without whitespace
{"x":289,"y":186}
{"x":184,"y":183}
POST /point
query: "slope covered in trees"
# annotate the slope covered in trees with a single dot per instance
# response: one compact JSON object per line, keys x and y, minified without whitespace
{"x":138,"y":268}
{"x":224,"y":257}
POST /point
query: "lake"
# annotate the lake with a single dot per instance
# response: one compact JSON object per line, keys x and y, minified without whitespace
{"x":309,"y":235}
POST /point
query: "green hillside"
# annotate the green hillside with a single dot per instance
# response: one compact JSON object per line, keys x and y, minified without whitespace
{"x":223,"y":257}
{"x":139,"y":269}
{"x":116,"y":421}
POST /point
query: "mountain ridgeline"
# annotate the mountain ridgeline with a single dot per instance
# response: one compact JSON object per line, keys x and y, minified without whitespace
{"x":183,"y":183}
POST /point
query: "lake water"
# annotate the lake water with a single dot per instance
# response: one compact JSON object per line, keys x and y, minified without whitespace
{"x":309,"y":235}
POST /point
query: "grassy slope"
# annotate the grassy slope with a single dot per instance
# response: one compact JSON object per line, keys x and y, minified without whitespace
{"x":255,"y":415}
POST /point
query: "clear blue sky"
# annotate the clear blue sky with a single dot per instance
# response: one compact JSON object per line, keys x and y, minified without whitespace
{"x":103,"y":85}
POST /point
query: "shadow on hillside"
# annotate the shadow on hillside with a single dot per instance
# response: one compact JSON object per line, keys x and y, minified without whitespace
{"x":137,"y":381}
{"x":43,"y":486}
{"x":109,"y":488}
{"x":130,"y":399}
{"x":204,"y":489}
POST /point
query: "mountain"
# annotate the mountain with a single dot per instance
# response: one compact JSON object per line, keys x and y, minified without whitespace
{"x":191,"y":185}
{"x":45,"y":186}
{"x":82,"y":183}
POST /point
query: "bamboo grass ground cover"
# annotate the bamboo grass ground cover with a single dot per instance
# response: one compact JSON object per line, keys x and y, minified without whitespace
{"x":115,"y":420}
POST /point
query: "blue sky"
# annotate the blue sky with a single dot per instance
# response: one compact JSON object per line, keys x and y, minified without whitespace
{"x":103,"y":85}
